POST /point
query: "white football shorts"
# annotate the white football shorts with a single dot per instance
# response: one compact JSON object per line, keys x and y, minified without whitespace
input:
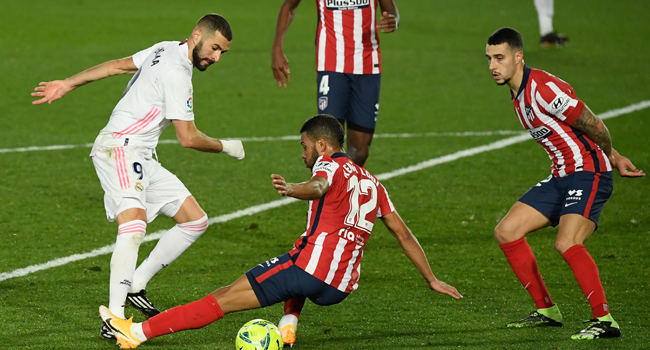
{"x":132,"y":178}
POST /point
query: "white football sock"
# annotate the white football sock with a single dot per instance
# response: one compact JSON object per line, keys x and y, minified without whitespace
{"x":545,"y":15}
{"x":172,"y":244}
{"x":137,"y":332}
{"x":123,"y":261}
{"x":288,"y":319}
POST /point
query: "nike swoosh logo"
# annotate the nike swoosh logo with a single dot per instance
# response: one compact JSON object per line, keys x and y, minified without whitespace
{"x":108,"y":322}
{"x":570,"y":204}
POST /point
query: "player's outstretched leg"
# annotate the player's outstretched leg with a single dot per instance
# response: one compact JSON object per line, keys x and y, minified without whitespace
{"x":194,"y":315}
{"x":289,"y":322}
{"x":120,"y":327}
{"x":237,"y":297}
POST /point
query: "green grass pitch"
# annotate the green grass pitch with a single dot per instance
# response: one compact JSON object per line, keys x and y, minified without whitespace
{"x":435,"y":80}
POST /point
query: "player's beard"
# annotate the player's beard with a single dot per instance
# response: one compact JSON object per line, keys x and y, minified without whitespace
{"x":309,"y":162}
{"x":505,"y":81}
{"x":196,"y":57}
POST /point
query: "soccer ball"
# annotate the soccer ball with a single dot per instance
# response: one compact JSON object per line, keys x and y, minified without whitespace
{"x":259,"y":335}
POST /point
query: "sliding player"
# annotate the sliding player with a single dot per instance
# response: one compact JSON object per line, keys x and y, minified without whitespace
{"x":344,"y":202}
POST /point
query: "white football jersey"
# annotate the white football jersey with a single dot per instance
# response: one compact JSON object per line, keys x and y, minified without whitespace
{"x":159,"y":92}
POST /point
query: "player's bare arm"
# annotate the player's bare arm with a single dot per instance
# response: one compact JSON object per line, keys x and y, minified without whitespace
{"x":279,"y":62}
{"x":191,"y":137}
{"x":309,"y":190}
{"x":54,"y":90}
{"x":414,"y":252}
{"x":595,"y":129}
{"x":389,"y":20}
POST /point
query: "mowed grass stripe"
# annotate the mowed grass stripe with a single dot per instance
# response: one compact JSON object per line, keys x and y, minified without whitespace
{"x":281,"y":202}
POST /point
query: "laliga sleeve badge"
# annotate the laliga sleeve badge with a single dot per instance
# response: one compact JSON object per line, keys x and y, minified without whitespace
{"x":139,"y":187}
{"x":189,"y":104}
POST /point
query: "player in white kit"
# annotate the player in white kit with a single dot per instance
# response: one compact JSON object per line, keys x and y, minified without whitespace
{"x":137,"y":188}
{"x":547,"y":36}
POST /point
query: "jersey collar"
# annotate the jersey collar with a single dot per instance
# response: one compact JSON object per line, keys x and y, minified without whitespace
{"x":185,"y":51}
{"x":524,"y":82}
{"x":339,"y":155}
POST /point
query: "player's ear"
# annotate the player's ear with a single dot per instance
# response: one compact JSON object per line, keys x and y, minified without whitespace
{"x":197,"y":34}
{"x":321,"y":145}
{"x":519,"y":57}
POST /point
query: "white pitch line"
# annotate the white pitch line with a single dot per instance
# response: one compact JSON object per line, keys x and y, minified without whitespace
{"x":281,"y":202}
{"x":276,"y":138}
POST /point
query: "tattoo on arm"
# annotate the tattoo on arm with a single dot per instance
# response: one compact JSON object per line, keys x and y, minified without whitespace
{"x":595,"y":129}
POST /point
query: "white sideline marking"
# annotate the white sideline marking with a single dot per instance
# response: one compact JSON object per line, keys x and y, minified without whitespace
{"x":275,"y":138}
{"x":281,"y":202}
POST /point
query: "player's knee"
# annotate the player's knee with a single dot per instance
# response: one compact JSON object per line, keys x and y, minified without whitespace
{"x":505,"y":233}
{"x":359,"y":155}
{"x":194,"y":229}
{"x":562,"y":244}
{"x":137,"y":238}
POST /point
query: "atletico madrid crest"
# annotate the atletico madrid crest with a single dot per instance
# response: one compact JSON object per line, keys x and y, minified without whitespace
{"x":322,"y":103}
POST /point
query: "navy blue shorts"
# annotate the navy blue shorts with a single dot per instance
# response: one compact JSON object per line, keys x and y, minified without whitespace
{"x":278,"y":279}
{"x":351,"y":98}
{"x":583,"y":192}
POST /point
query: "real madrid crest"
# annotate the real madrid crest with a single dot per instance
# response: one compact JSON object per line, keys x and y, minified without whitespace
{"x":139,"y":187}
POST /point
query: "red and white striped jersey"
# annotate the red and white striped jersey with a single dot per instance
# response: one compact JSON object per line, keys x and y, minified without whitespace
{"x":159,"y":92}
{"x":339,"y":223}
{"x":547,"y":106}
{"x":346,"y":38}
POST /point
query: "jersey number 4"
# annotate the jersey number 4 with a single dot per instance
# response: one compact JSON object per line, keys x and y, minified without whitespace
{"x":324,"y":86}
{"x":358,"y":211}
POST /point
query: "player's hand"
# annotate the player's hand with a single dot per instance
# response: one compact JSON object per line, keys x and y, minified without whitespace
{"x":387,"y":23}
{"x":280,"y":66}
{"x":444,"y":288}
{"x":50,"y":91}
{"x":279,"y":184}
{"x":233,"y":148}
{"x":624,"y":166}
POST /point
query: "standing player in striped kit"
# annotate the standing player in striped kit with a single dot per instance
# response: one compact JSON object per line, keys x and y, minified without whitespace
{"x":581,"y":181}
{"x":344,"y":202}
{"x":137,"y":188}
{"x":348,"y":62}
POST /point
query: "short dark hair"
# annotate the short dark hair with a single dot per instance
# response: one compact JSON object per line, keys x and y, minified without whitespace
{"x":325,"y":126}
{"x":507,"y":35}
{"x":216,"y":22}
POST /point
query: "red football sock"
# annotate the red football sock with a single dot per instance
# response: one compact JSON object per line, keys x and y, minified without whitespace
{"x":523,"y":263}
{"x":586,"y":272}
{"x":294,"y":306}
{"x":194,"y":315}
